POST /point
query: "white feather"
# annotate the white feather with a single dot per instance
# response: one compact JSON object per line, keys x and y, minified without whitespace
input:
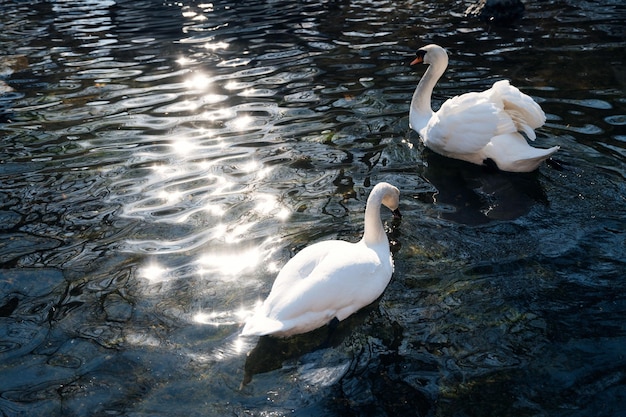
{"x":478,"y":125}
{"x":329,"y":279}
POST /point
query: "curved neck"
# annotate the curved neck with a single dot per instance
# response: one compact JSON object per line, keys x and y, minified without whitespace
{"x":420,"y":111}
{"x":374,"y":232}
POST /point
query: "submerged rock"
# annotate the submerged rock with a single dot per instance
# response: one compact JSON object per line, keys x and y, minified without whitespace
{"x":30,"y":282}
{"x":12,"y":63}
{"x":8,"y":65}
{"x":14,"y":246}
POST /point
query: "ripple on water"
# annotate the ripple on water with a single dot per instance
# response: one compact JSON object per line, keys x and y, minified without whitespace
{"x":169,"y":158}
{"x":616,"y":120}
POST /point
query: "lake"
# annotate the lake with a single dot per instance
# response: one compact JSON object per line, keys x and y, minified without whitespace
{"x":162,"y":160}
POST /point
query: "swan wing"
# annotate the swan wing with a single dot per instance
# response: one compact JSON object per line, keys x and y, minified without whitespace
{"x":525,"y":113}
{"x":465,"y":124}
{"x":304,"y":262}
{"x":265,"y":321}
{"x":342,"y":279}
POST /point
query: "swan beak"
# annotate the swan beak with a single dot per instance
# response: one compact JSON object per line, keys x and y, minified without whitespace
{"x":417,"y":60}
{"x":396,"y":214}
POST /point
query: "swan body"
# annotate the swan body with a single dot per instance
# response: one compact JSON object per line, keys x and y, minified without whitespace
{"x":477,"y":126}
{"x":330,"y":279}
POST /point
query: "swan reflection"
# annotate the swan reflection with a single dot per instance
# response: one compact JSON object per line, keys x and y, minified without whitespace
{"x":270,"y":353}
{"x":475,"y":195}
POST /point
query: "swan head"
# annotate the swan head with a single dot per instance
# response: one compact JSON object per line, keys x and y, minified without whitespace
{"x":431,"y":54}
{"x":391,"y":200}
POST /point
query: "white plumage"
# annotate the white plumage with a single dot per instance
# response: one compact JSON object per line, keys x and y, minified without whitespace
{"x":477,"y":126}
{"x":330,"y":279}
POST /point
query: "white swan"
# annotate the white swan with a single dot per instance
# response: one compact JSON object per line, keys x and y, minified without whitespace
{"x":330,"y":279}
{"x":477,"y":127}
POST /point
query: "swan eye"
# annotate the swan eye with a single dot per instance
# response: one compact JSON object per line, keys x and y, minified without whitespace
{"x":419,"y":57}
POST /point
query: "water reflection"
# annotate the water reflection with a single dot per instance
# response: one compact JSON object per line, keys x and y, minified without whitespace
{"x":161,"y":161}
{"x":270,"y":353}
{"x":230,"y":264}
{"x":154,"y":273}
{"x":224,"y":318}
{"x":476,"y":195}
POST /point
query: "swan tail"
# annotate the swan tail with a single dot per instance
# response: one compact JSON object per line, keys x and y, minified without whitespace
{"x":531,"y":163}
{"x":512,"y":153}
{"x":259,"y":325}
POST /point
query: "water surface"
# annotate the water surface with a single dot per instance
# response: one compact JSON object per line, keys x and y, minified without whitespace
{"x":161,"y":161}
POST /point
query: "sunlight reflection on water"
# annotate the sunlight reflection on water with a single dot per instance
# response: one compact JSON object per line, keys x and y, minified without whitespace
{"x":162,"y":161}
{"x":230,"y":264}
{"x":222,"y":318}
{"x":183,"y":187}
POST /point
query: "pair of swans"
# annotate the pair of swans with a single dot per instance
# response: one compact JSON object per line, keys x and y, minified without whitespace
{"x":333,"y":279}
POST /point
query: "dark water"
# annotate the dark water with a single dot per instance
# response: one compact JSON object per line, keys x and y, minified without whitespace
{"x":160,"y":161}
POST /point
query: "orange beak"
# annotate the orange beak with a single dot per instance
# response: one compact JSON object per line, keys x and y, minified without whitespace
{"x":417,"y":60}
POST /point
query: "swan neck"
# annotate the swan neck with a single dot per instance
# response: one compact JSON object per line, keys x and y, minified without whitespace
{"x":421,"y":101}
{"x":374,"y":232}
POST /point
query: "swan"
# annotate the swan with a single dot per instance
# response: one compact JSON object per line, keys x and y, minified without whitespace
{"x":330,"y":279}
{"x":477,"y":127}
